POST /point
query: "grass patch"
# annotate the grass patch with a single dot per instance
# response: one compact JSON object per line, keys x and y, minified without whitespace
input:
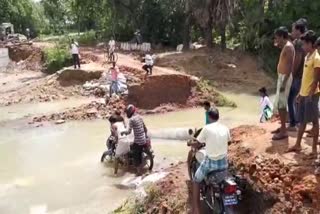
{"x":213,"y":96}
{"x":57,"y":57}
{"x":176,"y":203}
{"x":87,"y":38}
{"x":139,"y":206}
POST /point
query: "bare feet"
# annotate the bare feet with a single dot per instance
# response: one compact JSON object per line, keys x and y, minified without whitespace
{"x":276,"y":131}
{"x":295,"y":148}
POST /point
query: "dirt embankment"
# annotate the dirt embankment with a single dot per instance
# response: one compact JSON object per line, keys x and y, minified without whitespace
{"x":275,"y":185}
{"x":155,"y":94}
{"x":229,"y":70}
{"x":27,"y":57}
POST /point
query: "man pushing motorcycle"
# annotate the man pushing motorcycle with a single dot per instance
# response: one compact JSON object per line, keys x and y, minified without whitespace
{"x":216,"y":137}
{"x":136,"y":124}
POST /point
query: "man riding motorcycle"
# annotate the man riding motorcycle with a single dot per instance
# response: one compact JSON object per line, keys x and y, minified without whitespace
{"x":216,"y":137}
{"x":136,"y":124}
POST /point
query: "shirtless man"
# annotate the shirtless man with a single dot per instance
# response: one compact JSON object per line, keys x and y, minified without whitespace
{"x":285,"y":67}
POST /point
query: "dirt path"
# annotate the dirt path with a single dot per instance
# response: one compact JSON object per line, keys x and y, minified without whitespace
{"x":128,"y":60}
{"x":232,"y":71}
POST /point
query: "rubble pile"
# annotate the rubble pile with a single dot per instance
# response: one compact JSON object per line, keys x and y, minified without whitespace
{"x":93,"y":110}
{"x":98,"y":110}
{"x":294,"y":187}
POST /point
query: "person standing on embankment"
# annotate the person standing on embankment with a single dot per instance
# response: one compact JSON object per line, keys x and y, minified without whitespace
{"x":75,"y":54}
{"x":298,"y":29}
{"x":284,"y":68}
{"x":308,"y":99}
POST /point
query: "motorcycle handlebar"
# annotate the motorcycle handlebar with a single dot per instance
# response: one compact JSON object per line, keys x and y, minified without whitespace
{"x":196,"y":144}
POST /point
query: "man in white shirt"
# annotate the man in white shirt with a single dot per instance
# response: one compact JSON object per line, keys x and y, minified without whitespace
{"x":216,"y":137}
{"x":75,"y":54}
{"x":148,"y":65}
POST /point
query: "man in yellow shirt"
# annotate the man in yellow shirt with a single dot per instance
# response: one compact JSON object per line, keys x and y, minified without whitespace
{"x":308,"y":98}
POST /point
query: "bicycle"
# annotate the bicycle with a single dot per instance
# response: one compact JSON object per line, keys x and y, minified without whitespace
{"x":110,"y":57}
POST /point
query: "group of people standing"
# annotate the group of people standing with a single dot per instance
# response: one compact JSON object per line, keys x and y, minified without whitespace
{"x":298,"y":83}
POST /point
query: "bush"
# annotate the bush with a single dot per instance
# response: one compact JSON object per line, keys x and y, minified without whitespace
{"x":88,"y":38}
{"x":56,"y":58}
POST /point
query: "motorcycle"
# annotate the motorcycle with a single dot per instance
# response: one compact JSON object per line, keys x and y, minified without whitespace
{"x":221,"y":190}
{"x":147,"y":154}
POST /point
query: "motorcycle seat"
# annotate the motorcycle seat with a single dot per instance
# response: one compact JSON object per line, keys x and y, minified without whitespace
{"x":217,"y":176}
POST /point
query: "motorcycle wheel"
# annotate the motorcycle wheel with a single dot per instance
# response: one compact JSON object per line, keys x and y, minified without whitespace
{"x":147,"y":160}
{"x":105,"y":155}
{"x":212,"y":203}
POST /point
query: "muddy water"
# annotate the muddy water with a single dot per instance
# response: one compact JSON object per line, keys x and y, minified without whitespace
{"x":56,"y":169}
{"x":24,"y":110}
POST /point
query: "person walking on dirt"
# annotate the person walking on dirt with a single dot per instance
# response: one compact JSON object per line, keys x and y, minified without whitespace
{"x":114,"y":71}
{"x":148,"y":64}
{"x":285,"y":66}
{"x":140,"y":131}
{"x":308,"y":98}
{"x":298,"y":29}
{"x":75,"y":54}
{"x":216,"y":136}
{"x":112,"y":48}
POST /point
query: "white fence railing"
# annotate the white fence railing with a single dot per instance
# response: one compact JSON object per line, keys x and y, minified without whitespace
{"x":126,"y":46}
{"x":4,"y":58}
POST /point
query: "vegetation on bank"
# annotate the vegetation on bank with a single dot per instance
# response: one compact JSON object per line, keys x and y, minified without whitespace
{"x":57,"y":58}
{"x":154,"y":196}
{"x":213,"y":96}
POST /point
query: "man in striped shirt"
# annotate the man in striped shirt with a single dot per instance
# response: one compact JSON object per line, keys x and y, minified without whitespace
{"x":136,"y":124}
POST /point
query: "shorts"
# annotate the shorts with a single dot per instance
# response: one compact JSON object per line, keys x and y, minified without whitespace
{"x":308,"y":110}
{"x":208,"y":165}
{"x":281,"y":99}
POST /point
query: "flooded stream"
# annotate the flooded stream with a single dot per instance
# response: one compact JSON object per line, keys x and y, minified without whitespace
{"x":56,"y":169}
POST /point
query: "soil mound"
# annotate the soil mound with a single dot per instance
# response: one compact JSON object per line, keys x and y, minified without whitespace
{"x":293,"y":186}
{"x":77,"y":76}
{"x":228,"y":70}
{"x":173,"y":88}
{"x":28,"y":56}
